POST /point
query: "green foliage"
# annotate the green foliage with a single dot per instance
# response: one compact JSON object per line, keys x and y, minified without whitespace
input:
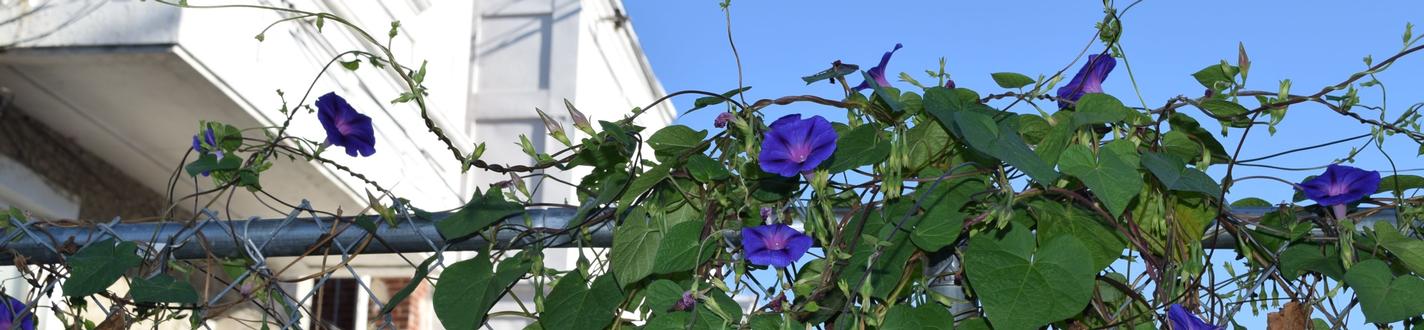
{"x":574,"y":304}
{"x":1112,"y":174}
{"x":997,"y":139}
{"x":211,"y":163}
{"x":889,"y":265}
{"x":635,"y":246}
{"x":662,"y":295}
{"x":1301,"y":258}
{"x":99,"y":265}
{"x":673,"y":141}
{"x":860,"y":146}
{"x":162,"y":288}
{"x":1011,"y":80}
{"x":927,"y":316}
{"x":942,"y":219}
{"x":1023,"y":286}
{"x":469,"y":288}
{"x":1217,"y":76}
{"x":1398,"y":184}
{"x":1410,"y":251}
{"x":421,"y":272}
{"x":1174,"y":174}
{"x":1385,"y":298}
{"x":1041,"y":201}
{"x":1055,"y":220}
{"x":483,"y":210}
{"x":706,"y":101}
{"x":681,"y":248}
{"x":706,"y":169}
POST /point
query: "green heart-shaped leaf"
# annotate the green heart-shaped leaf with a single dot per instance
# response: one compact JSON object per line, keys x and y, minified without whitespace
{"x":1383,"y":297}
{"x":861,"y":146}
{"x":1408,"y":250}
{"x":635,"y":246}
{"x":574,"y":304}
{"x":926,"y":316}
{"x":468,"y":289}
{"x":1112,"y":175}
{"x":1002,"y":141}
{"x":1300,"y":258}
{"x":98,"y":265}
{"x":1025,"y":288}
{"x":670,"y":142}
{"x":942,"y":221}
{"x":1175,"y":175}
{"x":1056,"y":219}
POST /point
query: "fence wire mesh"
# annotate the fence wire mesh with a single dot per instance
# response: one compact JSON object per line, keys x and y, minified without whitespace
{"x":271,"y":249}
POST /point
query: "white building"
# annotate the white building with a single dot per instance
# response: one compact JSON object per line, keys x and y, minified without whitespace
{"x":99,"y":100}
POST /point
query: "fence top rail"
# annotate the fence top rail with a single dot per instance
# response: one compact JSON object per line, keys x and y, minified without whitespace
{"x":295,"y":235}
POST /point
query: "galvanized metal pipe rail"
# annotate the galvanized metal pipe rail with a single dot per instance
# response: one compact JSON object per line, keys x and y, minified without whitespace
{"x":294,"y":236}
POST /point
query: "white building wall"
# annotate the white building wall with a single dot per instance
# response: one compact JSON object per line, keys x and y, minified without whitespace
{"x":490,"y":62}
{"x":291,"y":53}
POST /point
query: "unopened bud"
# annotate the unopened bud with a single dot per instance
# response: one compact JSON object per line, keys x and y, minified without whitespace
{"x":555,"y":129}
{"x":580,"y":121}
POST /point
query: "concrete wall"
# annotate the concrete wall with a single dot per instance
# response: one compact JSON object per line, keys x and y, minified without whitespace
{"x":101,"y":190}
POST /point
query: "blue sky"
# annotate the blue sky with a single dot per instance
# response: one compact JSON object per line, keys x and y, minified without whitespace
{"x":1313,"y":43}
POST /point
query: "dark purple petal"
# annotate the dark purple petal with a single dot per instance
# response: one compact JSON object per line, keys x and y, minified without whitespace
{"x":1341,"y":184}
{"x":773,"y":258}
{"x":878,"y":72}
{"x":775,"y":306}
{"x":1088,"y":80}
{"x":823,"y":142}
{"x":752,"y":240}
{"x":197,"y":147}
{"x":798,"y":244}
{"x":775,"y":245}
{"x":686,"y":303}
{"x":1182,"y":319}
{"x":211,"y":138}
{"x":15,"y":311}
{"x":793,"y":145}
{"x":722,"y":119}
{"x":949,"y":84}
{"x":213,"y":143}
{"x":344,"y":126}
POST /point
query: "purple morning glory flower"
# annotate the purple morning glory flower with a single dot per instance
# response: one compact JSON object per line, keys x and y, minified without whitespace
{"x":1341,"y":184}
{"x":344,"y":126}
{"x":878,"y":72}
{"x":685,"y":303}
{"x":1182,"y":319}
{"x":16,"y":313}
{"x":1088,"y":80}
{"x":775,"y":245}
{"x":722,"y":119}
{"x":793,"y":145}
{"x":212,"y":141}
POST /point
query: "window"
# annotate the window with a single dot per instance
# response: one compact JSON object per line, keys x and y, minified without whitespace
{"x":336,"y":303}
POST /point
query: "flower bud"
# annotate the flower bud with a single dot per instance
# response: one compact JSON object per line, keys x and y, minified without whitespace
{"x":555,"y":129}
{"x":580,"y":121}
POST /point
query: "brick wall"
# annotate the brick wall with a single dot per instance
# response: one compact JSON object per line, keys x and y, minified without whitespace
{"x":411,"y":313}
